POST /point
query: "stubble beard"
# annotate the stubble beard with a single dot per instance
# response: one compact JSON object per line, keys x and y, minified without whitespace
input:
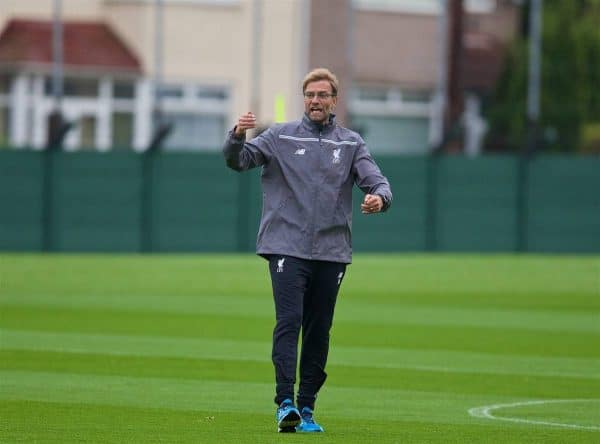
{"x":322,"y":114}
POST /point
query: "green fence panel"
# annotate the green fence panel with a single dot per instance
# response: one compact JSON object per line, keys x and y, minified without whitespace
{"x":21,"y":200}
{"x":403,"y":227}
{"x":476,"y":204}
{"x":97,"y":201}
{"x":193,"y":202}
{"x":196,"y":203}
{"x":564,"y":204}
{"x":251,"y":183}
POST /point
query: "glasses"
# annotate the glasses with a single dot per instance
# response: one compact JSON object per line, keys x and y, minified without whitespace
{"x":320,"y":95}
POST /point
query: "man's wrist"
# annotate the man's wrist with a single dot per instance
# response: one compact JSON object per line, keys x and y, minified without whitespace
{"x":237,"y":136}
{"x":383,"y":201}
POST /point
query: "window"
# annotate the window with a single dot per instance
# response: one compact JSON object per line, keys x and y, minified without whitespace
{"x":406,"y":135}
{"x":198,"y":114}
{"x":422,"y":6}
{"x":391,"y":120}
{"x":195,"y":132}
{"x":5,"y":83}
{"x":122,"y":130}
{"x":187,"y":2}
{"x":416,"y":97}
{"x":171,"y":91}
{"x":123,"y":89}
{"x":373,"y":94}
{"x":74,"y":87}
{"x":212,"y":93}
{"x":4,"y":122}
{"x":87,"y":126}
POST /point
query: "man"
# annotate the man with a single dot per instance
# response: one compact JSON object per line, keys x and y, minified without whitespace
{"x":308,"y":170}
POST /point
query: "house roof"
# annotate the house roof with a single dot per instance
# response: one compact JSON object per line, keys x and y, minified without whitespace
{"x":86,"y":45}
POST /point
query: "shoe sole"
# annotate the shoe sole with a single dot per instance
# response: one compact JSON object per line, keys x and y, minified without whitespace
{"x":288,"y":423}
{"x":291,"y":429}
{"x":309,"y":431}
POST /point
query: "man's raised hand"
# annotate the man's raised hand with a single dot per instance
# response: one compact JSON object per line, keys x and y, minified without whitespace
{"x":245,"y":122}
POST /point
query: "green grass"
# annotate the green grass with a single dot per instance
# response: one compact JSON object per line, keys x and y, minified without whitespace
{"x":166,"y":348}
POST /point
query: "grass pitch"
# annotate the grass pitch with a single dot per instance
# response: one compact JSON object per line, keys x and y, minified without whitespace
{"x":424,"y":349}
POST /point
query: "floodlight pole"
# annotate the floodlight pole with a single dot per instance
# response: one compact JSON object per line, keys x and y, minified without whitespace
{"x":57,"y":129}
{"x":158,"y":62}
{"x":256,"y":56}
{"x":454,"y":107}
{"x":244,"y":242}
{"x":57,"y":55}
{"x":533,"y":88}
{"x":440,"y":121}
{"x":158,"y":133}
{"x":533,"y":115}
{"x":441,"y":93}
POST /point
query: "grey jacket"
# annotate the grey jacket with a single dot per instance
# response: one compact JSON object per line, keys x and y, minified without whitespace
{"x":308,"y":171}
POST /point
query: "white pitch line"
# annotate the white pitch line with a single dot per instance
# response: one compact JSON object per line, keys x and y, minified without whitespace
{"x":485,"y":412}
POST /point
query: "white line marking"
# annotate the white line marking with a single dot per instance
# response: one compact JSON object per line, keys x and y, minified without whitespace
{"x":314,"y":139}
{"x":343,"y":142}
{"x":300,"y":139}
{"x":485,"y":412}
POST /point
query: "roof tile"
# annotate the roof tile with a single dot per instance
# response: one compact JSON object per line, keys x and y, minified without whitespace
{"x":86,"y":44}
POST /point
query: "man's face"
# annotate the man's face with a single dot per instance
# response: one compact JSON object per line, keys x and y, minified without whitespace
{"x":319,"y":101}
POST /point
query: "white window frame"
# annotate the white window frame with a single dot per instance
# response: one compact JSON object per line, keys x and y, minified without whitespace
{"x":393,"y":106}
{"x":30,"y":109}
{"x":192,"y":104}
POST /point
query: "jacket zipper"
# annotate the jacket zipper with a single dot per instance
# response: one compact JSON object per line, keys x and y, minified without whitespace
{"x":316,"y":195}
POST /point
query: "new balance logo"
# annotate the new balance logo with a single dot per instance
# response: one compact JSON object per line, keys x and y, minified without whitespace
{"x":300,"y":152}
{"x":340,"y":276}
{"x":280,"y":265}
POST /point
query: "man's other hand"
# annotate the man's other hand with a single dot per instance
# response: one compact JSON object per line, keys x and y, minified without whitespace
{"x":372,"y":204}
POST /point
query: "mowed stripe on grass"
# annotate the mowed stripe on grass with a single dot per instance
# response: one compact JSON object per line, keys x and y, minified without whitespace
{"x":368,"y":334}
{"x":233,"y":396}
{"x":128,"y":424}
{"x":354,"y":311}
{"x":222,"y":349}
{"x":340,"y":375}
{"x":188,"y":336}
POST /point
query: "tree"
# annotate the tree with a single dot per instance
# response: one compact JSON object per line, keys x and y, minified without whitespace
{"x":570,"y":96}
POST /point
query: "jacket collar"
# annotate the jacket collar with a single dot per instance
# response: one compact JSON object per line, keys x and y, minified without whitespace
{"x":318,"y":127}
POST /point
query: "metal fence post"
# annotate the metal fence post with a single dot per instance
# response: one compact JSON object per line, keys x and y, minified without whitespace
{"x":243,"y":206}
{"x":147,"y":202}
{"x":48,"y":201}
{"x":431,"y":204}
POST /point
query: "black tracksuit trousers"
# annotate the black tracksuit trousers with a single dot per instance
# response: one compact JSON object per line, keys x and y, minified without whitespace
{"x":305,"y":292}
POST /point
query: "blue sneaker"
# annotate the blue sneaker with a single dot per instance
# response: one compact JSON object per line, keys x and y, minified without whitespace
{"x":288,"y":417}
{"x":308,"y":423}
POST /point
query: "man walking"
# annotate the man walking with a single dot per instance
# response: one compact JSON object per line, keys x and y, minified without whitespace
{"x":308,"y":170}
